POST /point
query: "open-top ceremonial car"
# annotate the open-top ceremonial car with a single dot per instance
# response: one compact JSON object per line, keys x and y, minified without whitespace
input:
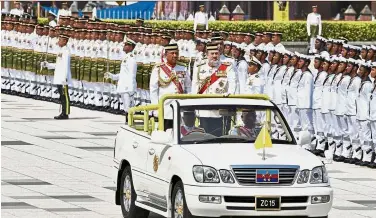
{"x":209,"y":163}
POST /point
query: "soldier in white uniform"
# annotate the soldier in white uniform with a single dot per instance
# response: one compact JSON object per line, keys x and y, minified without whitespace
{"x":212,"y":77}
{"x":372,"y":113}
{"x":253,"y":83}
{"x":293,"y":97}
{"x":313,"y":27}
{"x":285,"y":84}
{"x":127,"y":84}
{"x":352,"y":136}
{"x":201,"y":19}
{"x":321,"y":64}
{"x":240,"y":67}
{"x":51,"y":19}
{"x":17,"y":10}
{"x":304,"y":97}
{"x":363,"y":154}
{"x":337,"y":124}
{"x":64,"y":11}
{"x":169,"y":78}
{"x":62,"y":75}
{"x":340,"y":109}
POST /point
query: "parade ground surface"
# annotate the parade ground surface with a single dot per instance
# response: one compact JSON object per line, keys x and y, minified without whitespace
{"x":62,"y":168}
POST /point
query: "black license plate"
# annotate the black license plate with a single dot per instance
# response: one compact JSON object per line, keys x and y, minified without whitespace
{"x":268,"y":203}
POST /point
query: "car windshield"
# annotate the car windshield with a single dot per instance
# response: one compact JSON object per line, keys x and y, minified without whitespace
{"x":231,"y":124}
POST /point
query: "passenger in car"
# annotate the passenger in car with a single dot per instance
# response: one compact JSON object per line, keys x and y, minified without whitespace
{"x":188,"y":125}
{"x":248,"y":129}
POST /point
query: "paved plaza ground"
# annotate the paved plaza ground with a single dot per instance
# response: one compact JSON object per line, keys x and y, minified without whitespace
{"x":63,"y":168}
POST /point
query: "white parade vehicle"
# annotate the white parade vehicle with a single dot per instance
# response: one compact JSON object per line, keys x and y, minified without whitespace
{"x":208,"y":162}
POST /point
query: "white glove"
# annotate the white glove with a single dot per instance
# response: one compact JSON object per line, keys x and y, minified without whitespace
{"x":64,"y":83}
{"x":43,"y":64}
{"x":107,"y":75}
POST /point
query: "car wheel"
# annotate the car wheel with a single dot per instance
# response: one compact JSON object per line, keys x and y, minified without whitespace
{"x":128,"y":197}
{"x":179,"y":205}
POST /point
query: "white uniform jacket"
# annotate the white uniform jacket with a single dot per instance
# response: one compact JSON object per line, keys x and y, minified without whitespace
{"x":304,"y":90}
{"x":318,"y":85}
{"x":127,"y":76}
{"x":62,"y":73}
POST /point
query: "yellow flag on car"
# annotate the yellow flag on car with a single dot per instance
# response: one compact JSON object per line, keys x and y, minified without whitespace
{"x":263,"y":139}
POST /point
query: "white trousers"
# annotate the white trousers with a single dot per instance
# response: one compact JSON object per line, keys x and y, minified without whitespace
{"x":365,"y":139}
{"x":127,"y":99}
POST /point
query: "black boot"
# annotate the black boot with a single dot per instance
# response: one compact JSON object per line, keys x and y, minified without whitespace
{"x":61,"y":117}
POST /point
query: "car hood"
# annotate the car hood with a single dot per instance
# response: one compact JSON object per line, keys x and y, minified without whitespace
{"x":222,"y":156}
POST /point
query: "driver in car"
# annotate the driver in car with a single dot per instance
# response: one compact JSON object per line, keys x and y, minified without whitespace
{"x":248,"y":130}
{"x":188,"y":126}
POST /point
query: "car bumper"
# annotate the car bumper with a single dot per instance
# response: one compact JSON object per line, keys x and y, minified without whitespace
{"x":226,"y":208}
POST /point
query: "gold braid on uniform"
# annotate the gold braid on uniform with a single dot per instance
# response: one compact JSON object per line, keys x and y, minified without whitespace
{"x":164,"y":83}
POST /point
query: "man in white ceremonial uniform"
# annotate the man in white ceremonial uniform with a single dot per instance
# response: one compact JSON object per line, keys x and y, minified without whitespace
{"x":292,"y":96}
{"x":276,"y":57}
{"x":64,"y":11}
{"x":212,"y":77}
{"x":285,"y":84}
{"x":340,"y":110}
{"x":253,"y":83}
{"x":352,"y":137}
{"x":278,"y":77}
{"x":18,"y":10}
{"x":363,"y":154}
{"x":326,"y":105}
{"x":372,"y":114}
{"x":127,"y":84}
{"x":169,"y":78}
{"x":240,"y":67}
{"x":321,"y":65}
{"x":313,"y":27}
{"x":304,"y":98}
{"x":201,"y":19}
{"x":51,"y":19}
{"x":336,"y":124}
{"x":62,"y":75}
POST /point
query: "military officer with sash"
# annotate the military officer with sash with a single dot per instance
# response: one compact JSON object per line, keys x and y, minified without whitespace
{"x":213,"y":77}
{"x":188,"y":126}
{"x":248,"y":129}
{"x":169,"y":78}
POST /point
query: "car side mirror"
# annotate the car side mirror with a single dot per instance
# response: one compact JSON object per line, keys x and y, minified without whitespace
{"x":161,"y":137}
{"x":304,"y":138}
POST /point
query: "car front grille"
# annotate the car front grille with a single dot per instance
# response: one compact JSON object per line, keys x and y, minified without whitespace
{"x":251,"y":199}
{"x":246,"y":175}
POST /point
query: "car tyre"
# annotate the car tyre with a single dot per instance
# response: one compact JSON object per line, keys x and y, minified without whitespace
{"x":178,"y":202}
{"x":128,"y":197}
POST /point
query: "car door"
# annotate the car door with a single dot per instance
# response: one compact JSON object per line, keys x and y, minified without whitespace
{"x":134,"y":148}
{"x":157,"y":170}
{"x":158,"y":165}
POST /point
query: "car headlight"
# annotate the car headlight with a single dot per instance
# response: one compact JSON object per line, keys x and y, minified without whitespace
{"x":303,"y":176}
{"x":318,"y":175}
{"x":205,"y":174}
{"x":226,"y":176}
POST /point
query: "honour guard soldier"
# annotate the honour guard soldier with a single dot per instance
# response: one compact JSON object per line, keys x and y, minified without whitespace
{"x":201,"y":19}
{"x":372,"y":114}
{"x":240,"y":67}
{"x":304,"y":97}
{"x":363,"y":154}
{"x":313,"y":27}
{"x":212,"y":77}
{"x":335,"y":124}
{"x":352,"y":136}
{"x":253,"y":83}
{"x":51,"y":19}
{"x":340,"y":109}
{"x":127,"y":84}
{"x":169,"y":78}
{"x":321,"y":64}
{"x":62,"y":75}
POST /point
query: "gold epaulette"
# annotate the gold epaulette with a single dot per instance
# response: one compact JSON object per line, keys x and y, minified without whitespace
{"x":181,"y":63}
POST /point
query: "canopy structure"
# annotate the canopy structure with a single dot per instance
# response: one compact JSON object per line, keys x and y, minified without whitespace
{"x":142,"y":10}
